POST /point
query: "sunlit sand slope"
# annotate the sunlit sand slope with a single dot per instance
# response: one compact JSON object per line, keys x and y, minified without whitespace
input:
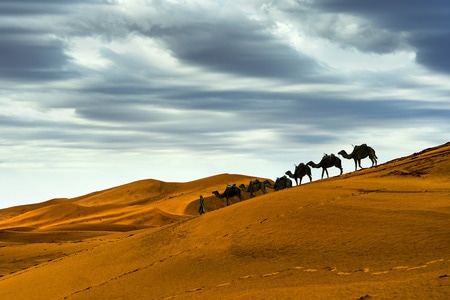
{"x":379,"y":233}
{"x":131,"y":206}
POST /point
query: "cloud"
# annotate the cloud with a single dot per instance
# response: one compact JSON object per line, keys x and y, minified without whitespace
{"x":34,"y":60}
{"x":233,"y":44}
{"x":421,"y":25}
{"x":239,"y":50}
{"x":29,"y":51}
{"x":433,"y":50}
{"x":45,"y":7}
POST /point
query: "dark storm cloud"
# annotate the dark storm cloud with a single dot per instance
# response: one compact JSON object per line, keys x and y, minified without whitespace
{"x":237,"y":46}
{"x":433,"y":50}
{"x":33,"y":59}
{"x":31,"y":47}
{"x":41,"y":7}
{"x":240,"y":49}
{"x":424,"y":25}
{"x":396,"y":15}
{"x":27,"y":54}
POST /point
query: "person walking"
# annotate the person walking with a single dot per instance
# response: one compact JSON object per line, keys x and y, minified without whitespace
{"x":201,"y":207}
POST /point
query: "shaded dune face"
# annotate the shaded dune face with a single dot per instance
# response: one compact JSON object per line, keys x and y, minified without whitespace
{"x":377,"y":233}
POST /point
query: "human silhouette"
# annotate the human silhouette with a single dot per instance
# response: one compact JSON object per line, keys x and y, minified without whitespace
{"x":201,"y":207}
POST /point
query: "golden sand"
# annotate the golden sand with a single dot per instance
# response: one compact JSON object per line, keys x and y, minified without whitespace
{"x":378,"y":233}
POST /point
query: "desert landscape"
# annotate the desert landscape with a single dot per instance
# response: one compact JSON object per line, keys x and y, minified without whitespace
{"x":377,"y":233}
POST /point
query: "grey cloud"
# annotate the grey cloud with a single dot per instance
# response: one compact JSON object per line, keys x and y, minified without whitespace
{"x":30,"y":54}
{"x":34,"y":44}
{"x":243,"y":48}
{"x":398,"y":15}
{"x":243,"y":111}
{"x":41,"y":7}
{"x":295,"y":120}
{"x":346,"y":28}
{"x":433,"y":50}
{"x":33,"y":60}
{"x":424,"y":25}
{"x":235,"y":50}
{"x":117,"y":114}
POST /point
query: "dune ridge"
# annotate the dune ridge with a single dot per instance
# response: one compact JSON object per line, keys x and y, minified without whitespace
{"x":377,"y":233}
{"x":145,"y":203}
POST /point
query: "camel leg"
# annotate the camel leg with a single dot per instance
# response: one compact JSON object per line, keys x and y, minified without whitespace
{"x":310,"y":178}
{"x":374,"y":161}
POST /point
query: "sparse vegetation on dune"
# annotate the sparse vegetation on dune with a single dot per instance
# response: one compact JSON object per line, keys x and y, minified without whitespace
{"x":379,"y":233}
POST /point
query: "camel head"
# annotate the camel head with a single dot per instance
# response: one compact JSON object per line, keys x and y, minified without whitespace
{"x":288,"y":173}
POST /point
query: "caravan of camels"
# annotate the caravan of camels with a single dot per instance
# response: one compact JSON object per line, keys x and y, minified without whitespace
{"x":359,"y":152}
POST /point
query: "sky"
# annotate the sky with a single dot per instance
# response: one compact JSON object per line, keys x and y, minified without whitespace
{"x":96,"y":94}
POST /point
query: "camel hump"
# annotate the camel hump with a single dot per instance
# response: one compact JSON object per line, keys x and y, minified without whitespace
{"x":361,"y":146}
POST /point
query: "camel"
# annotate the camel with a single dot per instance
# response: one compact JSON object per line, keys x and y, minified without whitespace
{"x":327,"y":161}
{"x":300,"y":171}
{"x":253,"y":187}
{"x":360,"y":152}
{"x":230,"y":191}
{"x":282,"y":183}
{"x":268,"y":184}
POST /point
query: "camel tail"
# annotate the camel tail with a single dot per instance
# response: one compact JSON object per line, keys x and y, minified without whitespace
{"x":374,"y":154}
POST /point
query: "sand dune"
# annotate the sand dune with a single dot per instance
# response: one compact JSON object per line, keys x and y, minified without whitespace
{"x":378,"y":233}
{"x":145,"y":203}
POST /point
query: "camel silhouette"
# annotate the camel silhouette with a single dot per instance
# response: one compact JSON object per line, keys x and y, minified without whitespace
{"x":300,"y":171}
{"x":230,"y":191}
{"x":360,"y":152}
{"x":280,"y":184}
{"x":253,"y":187}
{"x":327,"y":161}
